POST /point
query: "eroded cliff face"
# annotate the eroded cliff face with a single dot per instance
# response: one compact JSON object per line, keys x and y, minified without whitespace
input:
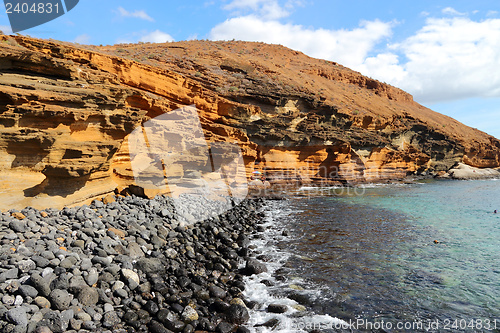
{"x":66,"y":113}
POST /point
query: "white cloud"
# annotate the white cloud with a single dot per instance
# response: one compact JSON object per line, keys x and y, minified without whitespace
{"x":265,"y":9}
{"x":141,"y":14}
{"x":447,"y":59}
{"x":348,"y":47}
{"x":452,"y":11}
{"x":239,"y":4}
{"x":156,"y":36}
{"x":82,"y":39}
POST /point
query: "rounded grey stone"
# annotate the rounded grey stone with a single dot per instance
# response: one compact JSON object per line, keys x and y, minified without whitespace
{"x":60,"y":299}
{"x":28,"y":291}
{"x":17,"y":316}
{"x":88,"y":296}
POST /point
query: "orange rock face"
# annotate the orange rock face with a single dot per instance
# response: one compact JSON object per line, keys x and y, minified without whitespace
{"x":66,"y":113}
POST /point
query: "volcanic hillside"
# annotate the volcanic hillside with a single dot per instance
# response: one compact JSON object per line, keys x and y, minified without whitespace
{"x":66,"y":111}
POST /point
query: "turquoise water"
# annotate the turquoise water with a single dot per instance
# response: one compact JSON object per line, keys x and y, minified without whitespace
{"x":376,"y":258}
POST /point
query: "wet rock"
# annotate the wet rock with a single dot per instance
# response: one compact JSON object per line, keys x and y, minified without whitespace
{"x":271,"y":323}
{"x":254,"y":266}
{"x":217,"y":292}
{"x":237,"y":314}
{"x":224,"y":327}
{"x":277,"y":308}
{"x":156,"y":327}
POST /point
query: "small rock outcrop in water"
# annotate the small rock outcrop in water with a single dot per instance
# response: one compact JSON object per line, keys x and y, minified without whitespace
{"x":123,"y":267}
{"x":463,"y":171}
{"x":66,"y":112}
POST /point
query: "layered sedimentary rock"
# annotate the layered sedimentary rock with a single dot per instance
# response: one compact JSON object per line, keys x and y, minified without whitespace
{"x":66,"y":112}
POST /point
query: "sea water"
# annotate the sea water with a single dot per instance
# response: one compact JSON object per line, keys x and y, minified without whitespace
{"x":403,"y":258}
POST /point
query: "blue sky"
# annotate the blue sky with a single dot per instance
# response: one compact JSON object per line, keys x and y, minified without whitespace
{"x":445,"y":53}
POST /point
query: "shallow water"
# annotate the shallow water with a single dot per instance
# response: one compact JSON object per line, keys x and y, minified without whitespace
{"x":373,"y":256}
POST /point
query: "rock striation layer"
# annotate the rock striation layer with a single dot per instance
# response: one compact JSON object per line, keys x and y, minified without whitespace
{"x":67,"y":110}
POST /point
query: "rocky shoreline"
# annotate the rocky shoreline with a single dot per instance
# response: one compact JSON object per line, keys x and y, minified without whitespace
{"x":126,"y":265}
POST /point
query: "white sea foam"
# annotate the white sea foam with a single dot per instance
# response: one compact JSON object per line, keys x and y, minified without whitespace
{"x":264,"y":295}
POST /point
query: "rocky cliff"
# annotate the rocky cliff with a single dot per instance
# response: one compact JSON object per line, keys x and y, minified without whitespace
{"x":66,"y":111}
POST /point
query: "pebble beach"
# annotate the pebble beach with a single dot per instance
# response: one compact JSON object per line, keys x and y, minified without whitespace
{"x":126,"y":264}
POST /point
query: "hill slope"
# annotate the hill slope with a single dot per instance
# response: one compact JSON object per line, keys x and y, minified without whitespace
{"x":66,"y":110}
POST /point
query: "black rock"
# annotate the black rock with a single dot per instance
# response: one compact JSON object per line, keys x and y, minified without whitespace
{"x":151,"y":307}
{"x":177,"y":308}
{"x":183,"y":281}
{"x":156,"y":327}
{"x":205,"y":325}
{"x":130,"y":317}
{"x":271,"y":323}
{"x":217,"y":292}
{"x":224,"y":327}
{"x":267,"y":283}
{"x":240,"y":285}
{"x":251,"y":304}
{"x":254,"y":266}
{"x":300,"y":298}
{"x":242,"y":329}
{"x":277,"y":308}
{"x":219,"y":306}
{"x":143,"y":314}
{"x":175,"y":325}
{"x":237,"y":314}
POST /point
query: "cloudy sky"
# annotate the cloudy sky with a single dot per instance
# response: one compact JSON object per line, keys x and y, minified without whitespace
{"x":445,"y":53}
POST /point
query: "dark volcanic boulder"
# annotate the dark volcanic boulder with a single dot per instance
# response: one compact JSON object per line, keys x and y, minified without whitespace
{"x":254,"y":266}
{"x":237,"y":314}
{"x":151,"y":265}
